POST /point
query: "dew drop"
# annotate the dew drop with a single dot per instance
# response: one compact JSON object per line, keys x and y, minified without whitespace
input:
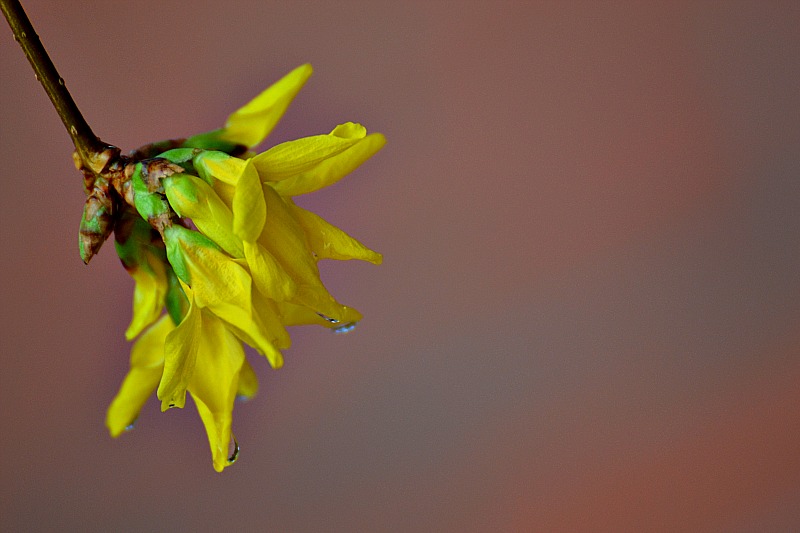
{"x":345,"y":328}
{"x":233,"y":450}
{"x":242,"y":398}
{"x":329,"y":319}
{"x":130,"y":426}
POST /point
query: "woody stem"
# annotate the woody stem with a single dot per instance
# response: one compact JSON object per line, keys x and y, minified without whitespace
{"x":86,"y":143}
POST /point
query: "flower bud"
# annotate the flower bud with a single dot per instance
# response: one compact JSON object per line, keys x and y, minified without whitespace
{"x":96,"y":224}
{"x":192,"y":197}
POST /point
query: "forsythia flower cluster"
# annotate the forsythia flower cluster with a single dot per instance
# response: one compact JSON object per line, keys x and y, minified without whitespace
{"x":239,"y":265}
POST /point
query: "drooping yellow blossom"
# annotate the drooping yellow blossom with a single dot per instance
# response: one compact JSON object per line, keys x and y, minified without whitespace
{"x":217,"y":242}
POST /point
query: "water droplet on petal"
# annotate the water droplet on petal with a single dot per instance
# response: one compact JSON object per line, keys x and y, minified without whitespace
{"x":329,"y":319}
{"x":345,"y":328}
{"x":242,"y":398}
{"x":233,"y":450}
{"x":130,"y":426}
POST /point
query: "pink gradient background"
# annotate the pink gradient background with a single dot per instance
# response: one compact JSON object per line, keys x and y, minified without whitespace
{"x":587,"y":318}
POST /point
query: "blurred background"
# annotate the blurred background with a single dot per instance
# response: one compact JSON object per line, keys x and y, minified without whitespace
{"x":587,"y":316}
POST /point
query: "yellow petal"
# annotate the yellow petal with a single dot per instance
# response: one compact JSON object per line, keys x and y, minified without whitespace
{"x":252,"y":123}
{"x":248,"y":382}
{"x":333,"y":169}
{"x":147,"y":359}
{"x":180,"y":355}
{"x":221,"y":285}
{"x":270,"y":278}
{"x":299,"y":315}
{"x":329,"y":242}
{"x":249,"y":209}
{"x":213,"y":276}
{"x":137,"y":387}
{"x":248,"y":326}
{"x":295,"y":157}
{"x":266,"y":315}
{"x":192,"y":197}
{"x":284,"y":238}
{"x":214,"y":383}
{"x":225,"y":191}
{"x":148,"y":295}
{"x":218,"y":427}
{"x":320,"y":300}
{"x":219,"y":166}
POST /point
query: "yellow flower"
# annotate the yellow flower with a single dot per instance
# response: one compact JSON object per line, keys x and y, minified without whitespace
{"x":239,"y":265}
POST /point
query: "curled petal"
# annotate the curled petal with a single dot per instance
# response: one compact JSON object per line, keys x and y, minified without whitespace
{"x":329,"y":242}
{"x":147,"y":360}
{"x":332,"y":169}
{"x":302,"y":155}
{"x":252,"y":123}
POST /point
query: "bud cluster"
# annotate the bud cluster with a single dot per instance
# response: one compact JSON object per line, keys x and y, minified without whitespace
{"x":220,"y":254}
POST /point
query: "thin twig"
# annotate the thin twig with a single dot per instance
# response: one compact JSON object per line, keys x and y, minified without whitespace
{"x":86,"y":143}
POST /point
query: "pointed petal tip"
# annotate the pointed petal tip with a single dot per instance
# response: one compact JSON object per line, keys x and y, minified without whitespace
{"x":169,"y":403}
{"x":115,"y":430}
{"x":219,"y":459}
{"x":118,"y":421}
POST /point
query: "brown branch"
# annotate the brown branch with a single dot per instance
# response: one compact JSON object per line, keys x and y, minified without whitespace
{"x":88,"y":146}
